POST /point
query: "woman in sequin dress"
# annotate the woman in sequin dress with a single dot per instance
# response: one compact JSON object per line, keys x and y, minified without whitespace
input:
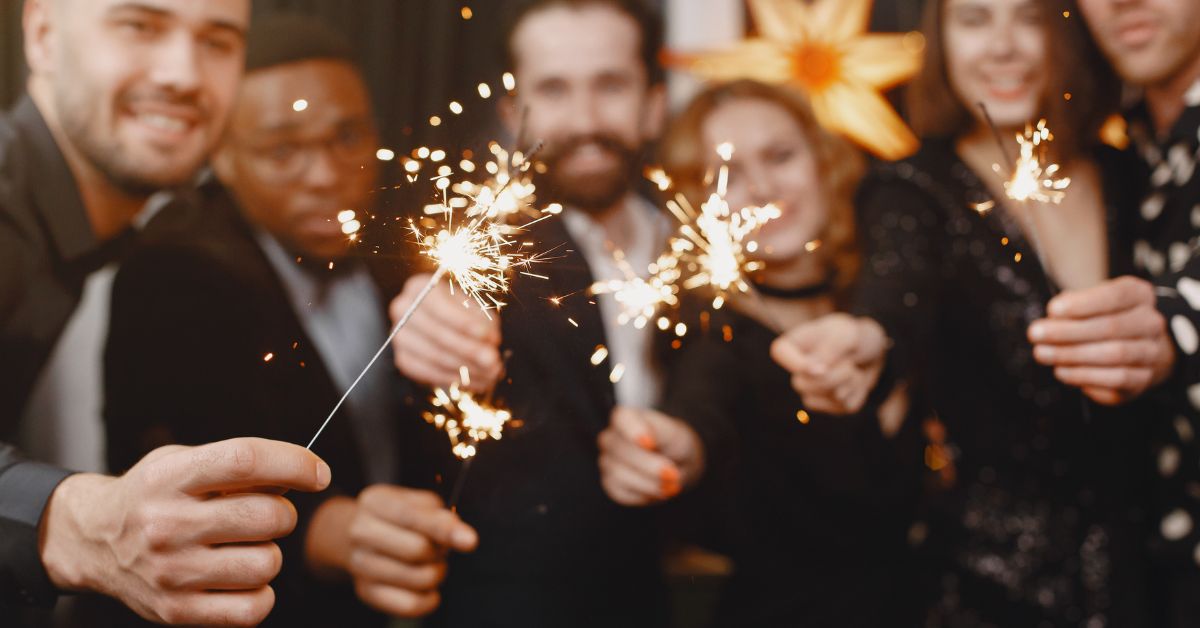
{"x":812,"y":509}
{"x":1032,"y":516}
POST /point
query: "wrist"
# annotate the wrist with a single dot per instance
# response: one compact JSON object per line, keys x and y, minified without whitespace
{"x":327,"y":543}
{"x":68,"y":530}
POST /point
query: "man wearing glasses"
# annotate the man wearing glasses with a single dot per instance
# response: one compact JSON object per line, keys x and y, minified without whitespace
{"x":254,"y":319}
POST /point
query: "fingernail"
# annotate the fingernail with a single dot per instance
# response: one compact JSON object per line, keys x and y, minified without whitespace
{"x":463,"y":537}
{"x":669,"y":475}
{"x":1037,"y":332}
{"x":816,"y":369}
{"x":324,"y":474}
{"x":646,"y":441}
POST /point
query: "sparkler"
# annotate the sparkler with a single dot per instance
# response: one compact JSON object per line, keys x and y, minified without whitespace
{"x":712,"y":245}
{"x":467,"y":423}
{"x":1030,"y":179}
{"x":476,"y":256}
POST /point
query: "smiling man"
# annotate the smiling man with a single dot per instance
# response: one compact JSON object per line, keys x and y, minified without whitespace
{"x":124,"y":98}
{"x":282,"y":308}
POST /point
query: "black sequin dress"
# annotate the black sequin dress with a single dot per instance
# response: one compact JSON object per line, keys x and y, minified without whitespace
{"x":813,"y":509}
{"x":1033,"y":518}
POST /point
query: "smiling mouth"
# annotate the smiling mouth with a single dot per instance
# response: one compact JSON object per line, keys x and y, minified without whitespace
{"x":1136,"y":33}
{"x":1007,"y":88}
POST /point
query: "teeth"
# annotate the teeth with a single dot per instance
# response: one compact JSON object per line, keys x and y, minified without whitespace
{"x":1008,"y":84}
{"x":165,"y":123}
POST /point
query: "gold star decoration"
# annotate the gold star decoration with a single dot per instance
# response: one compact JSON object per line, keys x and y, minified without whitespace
{"x":824,"y":48}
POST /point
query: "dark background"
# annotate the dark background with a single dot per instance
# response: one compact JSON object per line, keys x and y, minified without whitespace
{"x":418,"y":56}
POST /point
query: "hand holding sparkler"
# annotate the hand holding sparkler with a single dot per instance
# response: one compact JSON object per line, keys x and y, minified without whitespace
{"x":393,"y":542}
{"x":1111,"y":341}
{"x":445,"y":334}
{"x":647,"y":457}
{"x":835,"y":361}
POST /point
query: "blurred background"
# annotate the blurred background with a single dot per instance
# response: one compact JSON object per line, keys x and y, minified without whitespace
{"x":421,"y":54}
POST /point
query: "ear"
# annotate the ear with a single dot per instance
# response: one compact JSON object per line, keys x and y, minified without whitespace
{"x":38,"y":26}
{"x":654,"y":118}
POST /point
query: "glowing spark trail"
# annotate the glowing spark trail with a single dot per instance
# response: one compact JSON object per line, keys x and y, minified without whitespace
{"x":1031,"y":179}
{"x":476,"y":256}
{"x":466,"y":421}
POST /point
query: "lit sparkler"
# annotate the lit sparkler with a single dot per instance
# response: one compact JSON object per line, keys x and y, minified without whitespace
{"x":713,"y":242}
{"x":712,"y":245}
{"x":476,"y":255}
{"x":1032,"y":179}
{"x":465,"y":420}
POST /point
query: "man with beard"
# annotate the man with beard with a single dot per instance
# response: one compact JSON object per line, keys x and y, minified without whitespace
{"x":558,"y":546}
{"x":281,"y":308}
{"x":1133,"y":335}
{"x":124,"y":99}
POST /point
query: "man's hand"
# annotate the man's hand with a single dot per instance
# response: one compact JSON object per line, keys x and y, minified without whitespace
{"x":185,"y":536}
{"x":835,"y":361}
{"x":1110,"y":340}
{"x":447,"y":332}
{"x":398,"y":540}
{"x":647,"y":457}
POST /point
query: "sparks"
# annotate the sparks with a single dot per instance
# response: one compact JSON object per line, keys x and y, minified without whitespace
{"x":466,"y":420}
{"x":1032,"y":180}
{"x":475,"y":254}
{"x":712,"y":242}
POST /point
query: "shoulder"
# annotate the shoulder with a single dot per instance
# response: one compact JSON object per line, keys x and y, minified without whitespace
{"x":193,"y":248}
{"x":934,"y":178}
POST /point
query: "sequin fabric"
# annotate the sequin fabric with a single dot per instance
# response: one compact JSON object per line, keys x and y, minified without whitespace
{"x":1031,"y":528}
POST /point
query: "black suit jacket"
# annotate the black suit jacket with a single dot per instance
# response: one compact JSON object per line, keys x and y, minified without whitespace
{"x":194,"y":313}
{"x":554,"y":549}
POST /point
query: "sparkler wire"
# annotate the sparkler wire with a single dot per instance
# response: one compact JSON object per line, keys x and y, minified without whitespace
{"x":412,"y":309}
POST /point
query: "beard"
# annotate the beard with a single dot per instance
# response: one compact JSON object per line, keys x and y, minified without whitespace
{"x":594,"y":192}
{"x":84,"y":127}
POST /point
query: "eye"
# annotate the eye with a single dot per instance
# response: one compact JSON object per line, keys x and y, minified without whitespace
{"x":220,"y":43}
{"x":552,"y":89}
{"x":781,"y":154}
{"x":971,"y":16}
{"x":137,"y":26}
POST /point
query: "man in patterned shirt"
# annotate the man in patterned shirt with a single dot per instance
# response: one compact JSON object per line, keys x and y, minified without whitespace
{"x":1133,"y":335}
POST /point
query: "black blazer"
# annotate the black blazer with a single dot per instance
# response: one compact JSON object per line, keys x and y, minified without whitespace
{"x":554,"y":550}
{"x":195,"y":311}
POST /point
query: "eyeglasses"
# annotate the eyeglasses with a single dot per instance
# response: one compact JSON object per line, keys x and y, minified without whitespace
{"x":286,"y":160}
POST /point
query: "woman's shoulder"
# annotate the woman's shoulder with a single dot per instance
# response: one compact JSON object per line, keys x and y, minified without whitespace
{"x":934,"y":177}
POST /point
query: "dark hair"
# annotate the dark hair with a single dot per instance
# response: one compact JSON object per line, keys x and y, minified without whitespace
{"x":285,"y":38}
{"x":648,"y":19}
{"x":1081,"y":93}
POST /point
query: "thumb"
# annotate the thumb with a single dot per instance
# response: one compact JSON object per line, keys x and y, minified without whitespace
{"x":631,"y":424}
{"x":675,"y":438}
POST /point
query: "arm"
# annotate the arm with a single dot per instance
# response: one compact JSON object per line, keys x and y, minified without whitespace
{"x":25,"y":489}
{"x":838,"y":360}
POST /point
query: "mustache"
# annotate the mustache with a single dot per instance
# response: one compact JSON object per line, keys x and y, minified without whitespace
{"x":169,"y":97}
{"x":558,"y":151}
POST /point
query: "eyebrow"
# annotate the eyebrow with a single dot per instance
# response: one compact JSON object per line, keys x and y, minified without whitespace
{"x":220,"y":24}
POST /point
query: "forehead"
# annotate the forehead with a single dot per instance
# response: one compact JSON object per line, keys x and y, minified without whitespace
{"x":749,"y":124}
{"x":579,"y":41}
{"x":228,"y":13}
{"x":331,"y":90}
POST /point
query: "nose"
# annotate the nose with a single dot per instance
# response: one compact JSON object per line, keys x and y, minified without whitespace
{"x":176,"y":63}
{"x":761,"y":188}
{"x":583,"y":117}
{"x":1003,"y":40}
{"x":322,"y":171}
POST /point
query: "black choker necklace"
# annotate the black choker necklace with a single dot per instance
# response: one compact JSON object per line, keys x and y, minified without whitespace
{"x":823,"y":287}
